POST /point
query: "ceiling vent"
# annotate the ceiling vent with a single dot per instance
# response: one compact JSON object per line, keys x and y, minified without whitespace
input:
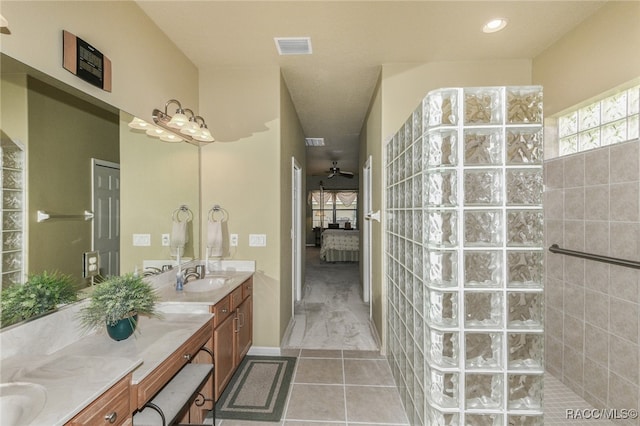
{"x":293,"y":45}
{"x":314,"y":141}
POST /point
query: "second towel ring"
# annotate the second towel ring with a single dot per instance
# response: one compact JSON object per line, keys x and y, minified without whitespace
{"x":182,"y":209}
{"x":217,"y":209}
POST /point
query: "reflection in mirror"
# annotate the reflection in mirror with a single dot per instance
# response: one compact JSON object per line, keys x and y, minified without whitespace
{"x":53,"y":136}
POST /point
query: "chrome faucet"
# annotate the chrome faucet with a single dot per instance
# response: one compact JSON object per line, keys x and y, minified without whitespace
{"x":196,"y":272}
{"x":150,"y":270}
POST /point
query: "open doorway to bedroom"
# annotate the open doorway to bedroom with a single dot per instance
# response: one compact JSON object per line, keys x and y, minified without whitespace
{"x":331,"y":312}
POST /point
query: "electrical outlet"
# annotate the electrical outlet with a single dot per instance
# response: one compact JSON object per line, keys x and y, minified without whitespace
{"x":90,"y":264}
{"x":142,"y":240}
{"x":166,"y":240}
{"x":234,"y":240}
{"x":257,"y":240}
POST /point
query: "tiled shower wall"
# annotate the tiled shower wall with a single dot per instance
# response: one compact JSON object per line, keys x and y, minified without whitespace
{"x":463,"y":236}
{"x":592,"y":310}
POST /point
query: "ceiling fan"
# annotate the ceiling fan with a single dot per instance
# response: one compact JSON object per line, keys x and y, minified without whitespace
{"x":335,"y":171}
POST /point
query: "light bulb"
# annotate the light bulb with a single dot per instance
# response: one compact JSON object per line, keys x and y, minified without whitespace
{"x":170,"y":137}
{"x":154,"y":131}
{"x":494,"y":25}
{"x":178,"y":120}
{"x":139,"y":124}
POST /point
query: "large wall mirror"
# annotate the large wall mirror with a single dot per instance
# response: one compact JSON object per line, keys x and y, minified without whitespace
{"x":59,"y":147}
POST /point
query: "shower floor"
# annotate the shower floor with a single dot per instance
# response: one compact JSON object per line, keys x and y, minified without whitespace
{"x":558,"y":398}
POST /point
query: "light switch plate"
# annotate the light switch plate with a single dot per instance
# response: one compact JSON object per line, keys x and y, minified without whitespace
{"x":166,"y":240}
{"x":233,"y":240}
{"x":257,"y":240}
{"x":142,"y":240}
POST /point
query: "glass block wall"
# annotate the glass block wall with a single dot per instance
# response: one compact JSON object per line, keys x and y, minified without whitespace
{"x":12,"y":265}
{"x":463,"y":242}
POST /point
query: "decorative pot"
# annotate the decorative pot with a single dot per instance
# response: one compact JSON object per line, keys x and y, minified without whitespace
{"x":123,"y":328}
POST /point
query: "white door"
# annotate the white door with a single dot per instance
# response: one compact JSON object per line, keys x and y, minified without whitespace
{"x":366,"y":232}
{"x":296,"y":230}
{"x":106,"y":219}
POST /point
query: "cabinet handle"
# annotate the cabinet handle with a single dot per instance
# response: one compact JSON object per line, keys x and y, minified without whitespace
{"x":187,"y":357}
{"x":241,"y":316}
{"x":111,"y":418}
{"x":237,"y":329}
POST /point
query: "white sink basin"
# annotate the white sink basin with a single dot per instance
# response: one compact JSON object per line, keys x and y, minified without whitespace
{"x":20,"y":402}
{"x":205,"y":284}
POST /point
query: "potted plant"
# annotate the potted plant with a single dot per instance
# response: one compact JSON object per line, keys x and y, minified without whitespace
{"x":39,"y":294}
{"x":117,"y":302}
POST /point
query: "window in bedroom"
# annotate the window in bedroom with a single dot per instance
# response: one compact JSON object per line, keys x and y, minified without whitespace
{"x":334,"y":207}
{"x":612,"y":119}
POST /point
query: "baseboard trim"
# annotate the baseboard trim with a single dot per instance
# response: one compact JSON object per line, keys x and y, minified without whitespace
{"x":376,"y":337}
{"x":264,"y":350}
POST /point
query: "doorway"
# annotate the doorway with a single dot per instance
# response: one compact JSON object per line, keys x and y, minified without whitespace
{"x":105,"y":200}
{"x":296,"y":230}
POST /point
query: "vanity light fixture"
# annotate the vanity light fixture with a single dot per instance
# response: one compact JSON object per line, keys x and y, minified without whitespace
{"x":192,"y":129}
{"x":139,"y":124}
{"x":494,"y":25}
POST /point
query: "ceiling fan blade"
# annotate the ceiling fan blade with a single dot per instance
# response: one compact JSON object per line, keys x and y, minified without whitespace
{"x":347,"y":174}
{"x":331,"y":175}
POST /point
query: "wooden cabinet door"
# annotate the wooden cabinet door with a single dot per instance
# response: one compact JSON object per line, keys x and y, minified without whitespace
{"x":244,"y":328}
{"x":224,"y":353}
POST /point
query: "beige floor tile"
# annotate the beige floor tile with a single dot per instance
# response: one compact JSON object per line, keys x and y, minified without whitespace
{"x":306,"y":423}
{"x":319,"y":370}
{"x":290,"y":352}
{"x":367,"y":372}
{"x":374,"y":405}
{"x":362,"y":354}
{"x":320,"y":353}
{"x":316,"y":402}
{"x":228,"y":422}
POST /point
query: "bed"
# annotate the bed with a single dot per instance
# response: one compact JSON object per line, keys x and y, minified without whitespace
{"x":340,"y":245}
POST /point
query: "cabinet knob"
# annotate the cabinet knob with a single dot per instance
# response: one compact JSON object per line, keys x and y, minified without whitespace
{"x":111,"y":418}
{"x":187,"y":357}
{"x":224,"y":310}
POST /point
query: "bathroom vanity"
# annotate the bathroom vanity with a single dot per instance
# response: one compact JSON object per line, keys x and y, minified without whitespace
{"x":91,"y":379}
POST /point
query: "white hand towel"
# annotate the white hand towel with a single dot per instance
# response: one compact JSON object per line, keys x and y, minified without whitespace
{"x":178,"y":234}
{"x":214,"y":238}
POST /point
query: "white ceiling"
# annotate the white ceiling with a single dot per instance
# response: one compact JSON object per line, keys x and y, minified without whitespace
{"x":332,"y":88}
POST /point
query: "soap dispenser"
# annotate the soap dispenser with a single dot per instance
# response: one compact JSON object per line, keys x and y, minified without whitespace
{"x":179,"y":281}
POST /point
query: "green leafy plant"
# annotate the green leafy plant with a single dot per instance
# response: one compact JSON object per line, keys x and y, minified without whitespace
{"x":41,"y":293}
{"x":119,"y":297}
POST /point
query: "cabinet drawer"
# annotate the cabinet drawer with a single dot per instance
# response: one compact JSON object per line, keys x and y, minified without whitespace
{"x":247,"y":288}
{"x":221,"y":311}
{"x":159,"y":377}
{"x":236,"y":298}
{"x":111,"y":408}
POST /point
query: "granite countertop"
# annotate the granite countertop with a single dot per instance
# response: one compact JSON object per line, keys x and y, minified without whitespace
{"x":77,"y":374}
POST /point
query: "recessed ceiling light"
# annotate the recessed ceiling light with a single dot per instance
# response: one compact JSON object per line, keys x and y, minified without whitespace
{"x":494,"y":25}
{"x":293,"y":45}
{"x":314,"y":141}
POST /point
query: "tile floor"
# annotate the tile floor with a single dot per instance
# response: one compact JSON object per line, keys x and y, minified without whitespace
{"x":339,"y":387}
{"x":345,"y":386}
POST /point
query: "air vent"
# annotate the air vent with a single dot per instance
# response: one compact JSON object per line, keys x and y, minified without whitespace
{"x":314,"y":141}
{"x":293,"y":45}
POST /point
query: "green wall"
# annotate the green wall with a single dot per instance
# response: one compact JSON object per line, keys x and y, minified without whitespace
{"x":64,"y":134}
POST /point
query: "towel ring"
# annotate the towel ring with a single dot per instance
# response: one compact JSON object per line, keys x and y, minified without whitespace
{"x":182,"y":209}
{"x":217,"y":209}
